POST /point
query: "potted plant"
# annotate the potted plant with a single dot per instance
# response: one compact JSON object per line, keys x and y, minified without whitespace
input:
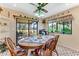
{"x":2,"y":47}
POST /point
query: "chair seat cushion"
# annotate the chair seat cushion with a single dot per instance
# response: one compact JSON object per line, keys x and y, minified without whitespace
{"x":20,"y":51}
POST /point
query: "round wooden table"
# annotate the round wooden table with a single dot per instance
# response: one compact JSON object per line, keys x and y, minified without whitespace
{"x":26,"y":43}
{"x":30,"y":45}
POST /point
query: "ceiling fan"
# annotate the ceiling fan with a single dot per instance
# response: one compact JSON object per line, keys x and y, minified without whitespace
{"x":40,"y":7}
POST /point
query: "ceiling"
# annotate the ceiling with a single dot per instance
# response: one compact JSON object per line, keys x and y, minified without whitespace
{"x":52,"y":8}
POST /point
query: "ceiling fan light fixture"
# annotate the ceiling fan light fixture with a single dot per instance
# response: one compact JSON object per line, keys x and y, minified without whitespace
{"x":39,"y":14}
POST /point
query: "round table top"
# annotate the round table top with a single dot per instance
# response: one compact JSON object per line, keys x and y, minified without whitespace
{"x":29,"y":41}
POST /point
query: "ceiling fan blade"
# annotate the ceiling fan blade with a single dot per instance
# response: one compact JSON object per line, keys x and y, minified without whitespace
{"x":33,"y":4}
{"x":38,"y":3}
{"x":41,"y":10}
{"x":43,"y":4}
{"x":44,"y":10}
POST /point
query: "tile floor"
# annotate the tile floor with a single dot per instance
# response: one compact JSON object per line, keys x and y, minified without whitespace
{"x":62,"y":51}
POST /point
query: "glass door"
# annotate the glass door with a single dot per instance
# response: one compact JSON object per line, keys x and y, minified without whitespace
{"x":33,"y":28}
{"x":21,"y":30}
{"x":26,"y":29}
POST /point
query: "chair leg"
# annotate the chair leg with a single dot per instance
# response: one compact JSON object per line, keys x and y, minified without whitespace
{"x":56,"y":52}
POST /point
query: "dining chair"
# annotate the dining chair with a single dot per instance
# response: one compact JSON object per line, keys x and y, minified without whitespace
{"x":54,"y":44}
{"x":14,"y":51}
{"x":50,"y":46}
{"x":44,"y":50}
{"x":47,"y":52}
{"x":47,"y":48}
{"x":47,"y":44}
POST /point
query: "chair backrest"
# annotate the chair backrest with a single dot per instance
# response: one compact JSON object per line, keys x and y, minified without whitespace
{"x":47,"y":52}
{"x":10,"y":45}
{"x":56,"y":39}
{"x":47,"y":44}
{"x":54,"y":43}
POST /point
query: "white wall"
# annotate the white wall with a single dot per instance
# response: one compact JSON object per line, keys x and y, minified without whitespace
{"x":9,"y":30}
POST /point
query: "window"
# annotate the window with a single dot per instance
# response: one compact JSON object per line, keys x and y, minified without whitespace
{"x":25,"y":29}
{"x":50,"y":27}
{"x":60,"y":27}
{"x":33,"y":28}
{"x":67,"y":27}
{"x":63,"y":27}
{"x":54,"y":27}
{"x":22,"y":29}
